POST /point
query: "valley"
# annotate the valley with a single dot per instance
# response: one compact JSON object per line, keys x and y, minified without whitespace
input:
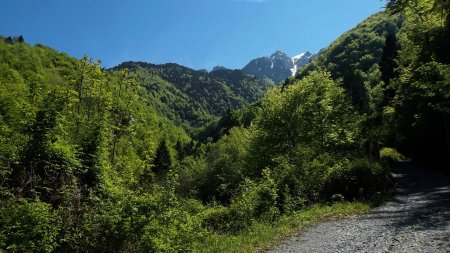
{"x":319,"y":152}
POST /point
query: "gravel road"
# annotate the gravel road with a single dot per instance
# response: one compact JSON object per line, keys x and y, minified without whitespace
{"x":416,"y":220}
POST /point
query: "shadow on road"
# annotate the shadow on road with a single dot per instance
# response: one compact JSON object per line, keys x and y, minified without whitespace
{"x":417,"y":219}
{"x":428,"y":194}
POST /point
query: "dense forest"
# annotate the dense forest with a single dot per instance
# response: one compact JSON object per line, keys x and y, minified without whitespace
{"x":159,"y":158}
{"x":395,"y":72}
{"x":194,"y":98}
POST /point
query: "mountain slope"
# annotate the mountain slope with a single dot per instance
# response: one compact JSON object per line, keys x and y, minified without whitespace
{"x":278,"y":66}
{"x":354,"y":58}
{"x":359,"y":48}
{"x":195,"y":97}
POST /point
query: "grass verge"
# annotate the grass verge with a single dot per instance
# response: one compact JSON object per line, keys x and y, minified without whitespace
{"x":263,"y":236}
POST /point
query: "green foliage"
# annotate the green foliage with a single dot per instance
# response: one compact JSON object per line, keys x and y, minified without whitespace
{"x":397,"y":61}
{"x":163,"y":161}
{"x":194,"y":98}
{"x":28,"y":226}
{"x":358,"y":179}
{"x":421,"y":92}
{"x":44,"y":164}
{"x":221,"y":219}
{"x":262,"y":197}
{"x":300,"y":177}
{"x":152,"y":221}
{"x":355,"y":58}
{"x":255,"y":201}
{"x":391,"y":155}
{"x":225,"y":163}
{"x":313,"y":112}
{"x":74,"y":135}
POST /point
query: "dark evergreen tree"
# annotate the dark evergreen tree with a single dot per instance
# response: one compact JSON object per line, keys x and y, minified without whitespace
{"x":180,"y":150}
{"x":388,"y":64}
{"x":20,"y":39}
{"x":353,"y":83}
{"x":162,"y":162}
{"x":9,"y":40}
{"x":89,"y":176}
{"x":190,"y":148}
{"x":227,"y":122}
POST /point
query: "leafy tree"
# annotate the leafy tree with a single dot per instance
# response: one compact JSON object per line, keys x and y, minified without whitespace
{"x":311,"y":112}
{"x":226,"y":167}
{"x":181,"y":151}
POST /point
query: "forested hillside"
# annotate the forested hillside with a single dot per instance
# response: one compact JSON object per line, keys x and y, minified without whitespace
{"x":354,"y":59}
{"x":196,"y":97}
{"x":99,"y":160}
{"x":379,"y":64}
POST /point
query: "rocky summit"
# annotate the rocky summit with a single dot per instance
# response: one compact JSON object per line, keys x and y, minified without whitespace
{"x":278,"y":66}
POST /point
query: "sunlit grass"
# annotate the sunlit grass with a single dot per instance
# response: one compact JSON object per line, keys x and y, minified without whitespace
{"x":263,"y":236}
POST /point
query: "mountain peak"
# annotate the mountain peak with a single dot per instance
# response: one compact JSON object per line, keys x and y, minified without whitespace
{"x":279,"y":54}
{"x":278,"y":66}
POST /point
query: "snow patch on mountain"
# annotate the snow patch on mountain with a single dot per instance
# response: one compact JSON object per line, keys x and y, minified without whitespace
{"x":301,"y":60}
{"x":294,"y":69}
{"x":297,"y":57}
{"x":278,"y":66}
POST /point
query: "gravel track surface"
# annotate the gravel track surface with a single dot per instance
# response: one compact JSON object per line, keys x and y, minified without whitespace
{"x":416,"y":220}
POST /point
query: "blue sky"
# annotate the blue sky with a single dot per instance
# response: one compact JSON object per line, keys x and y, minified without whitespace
{"x":195,"y":33}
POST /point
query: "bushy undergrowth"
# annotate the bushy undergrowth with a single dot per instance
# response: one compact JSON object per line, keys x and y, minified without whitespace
{"x":160,"y":221}
{"x":28,"y":226}
{"x":256,"y":201}
{"x":391,"y":155}
{"x":358,"y":179}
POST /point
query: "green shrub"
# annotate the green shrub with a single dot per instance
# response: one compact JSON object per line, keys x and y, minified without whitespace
{"x":300,"y":177}
{"x":266,"y":195}
{"x":335,"y":198}
{"x":222,"y":219}
{"x":255,"y":201}
{"x":28,"y":227}
{"x":103,"y":225}
{"x":391,"y":155}
{"x":358,"y":179}
{"x":173,"y":231}
{"x":140,"y":222}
